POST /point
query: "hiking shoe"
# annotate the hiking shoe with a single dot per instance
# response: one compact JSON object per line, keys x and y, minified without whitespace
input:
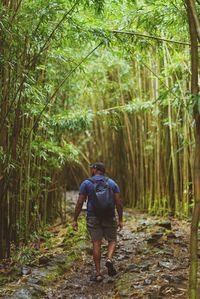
{"x":111,"y":269}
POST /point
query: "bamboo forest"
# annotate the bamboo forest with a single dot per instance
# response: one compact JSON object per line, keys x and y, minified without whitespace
{"x":88,"y":87}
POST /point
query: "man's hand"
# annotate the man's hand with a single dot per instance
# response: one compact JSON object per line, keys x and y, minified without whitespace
{"x":119,"y":211}
{"x":119,"y":226}
{"x":75,"y":225}
{"x":77,"y":211}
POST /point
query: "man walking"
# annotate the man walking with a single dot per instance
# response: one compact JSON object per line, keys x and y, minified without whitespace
{"x":103,"y":196}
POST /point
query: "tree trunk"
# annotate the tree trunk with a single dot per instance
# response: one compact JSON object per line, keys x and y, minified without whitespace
{"x":196,"y":211}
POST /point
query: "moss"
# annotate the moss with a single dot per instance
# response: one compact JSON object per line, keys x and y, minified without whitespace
{"x":51,"y":276}
{"x":60,"y":269}
{"x":3,"y":280}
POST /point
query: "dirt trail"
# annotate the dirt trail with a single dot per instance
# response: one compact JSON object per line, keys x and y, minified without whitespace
{"x":152,"y":262}
{"x":77,"y":284}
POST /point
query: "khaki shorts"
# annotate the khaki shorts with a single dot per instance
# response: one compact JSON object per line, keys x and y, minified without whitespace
{"x":98,"y":229}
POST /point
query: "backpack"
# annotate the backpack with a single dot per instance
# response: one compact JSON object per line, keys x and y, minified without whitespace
{"x":103,"y":198}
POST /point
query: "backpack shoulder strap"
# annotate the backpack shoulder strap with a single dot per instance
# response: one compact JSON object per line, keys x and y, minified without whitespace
{"x":106,"y":179}
{"x":91,"y":180}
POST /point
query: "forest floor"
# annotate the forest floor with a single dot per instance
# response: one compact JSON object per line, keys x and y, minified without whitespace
{"x":152,"y":260}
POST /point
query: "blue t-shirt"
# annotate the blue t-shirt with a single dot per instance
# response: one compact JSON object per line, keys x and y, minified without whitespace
{"x":87,"y":189}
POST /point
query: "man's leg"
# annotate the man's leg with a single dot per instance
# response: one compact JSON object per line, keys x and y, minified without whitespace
{"x":109,"y":264}
{"x":97,"y":255}
{"x":96,"y":233}
{"x":110,"y":233}
{"x":111,"y":248}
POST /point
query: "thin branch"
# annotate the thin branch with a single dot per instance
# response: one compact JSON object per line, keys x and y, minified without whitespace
{"x":161,"y":81}
{"x":151,"y":36}
{"x":120,"y":107}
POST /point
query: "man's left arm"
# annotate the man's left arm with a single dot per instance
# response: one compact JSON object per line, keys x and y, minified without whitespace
{"x":78,"y":209}
{"x":119,"y":208}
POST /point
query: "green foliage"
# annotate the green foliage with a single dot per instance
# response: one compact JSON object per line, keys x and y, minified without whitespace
{"x":74,"y":238}
{"x":73,"y":121}
{"x":55,"y":155}
{"x":26,"y":254}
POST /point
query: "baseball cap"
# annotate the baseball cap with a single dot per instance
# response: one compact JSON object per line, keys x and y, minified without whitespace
{"x":98,"y":165}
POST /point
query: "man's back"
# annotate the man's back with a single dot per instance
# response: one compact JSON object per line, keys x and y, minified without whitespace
{"x":87,"y":188}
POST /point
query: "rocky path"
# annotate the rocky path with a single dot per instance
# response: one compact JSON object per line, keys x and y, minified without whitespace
{"x":152,"y":260}
{"x":77,"y":284}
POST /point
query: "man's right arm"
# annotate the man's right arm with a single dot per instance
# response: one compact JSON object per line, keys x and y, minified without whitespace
{"x":82,"y":197}
{"x":119,"y":208}
{"x":78,"y":209}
